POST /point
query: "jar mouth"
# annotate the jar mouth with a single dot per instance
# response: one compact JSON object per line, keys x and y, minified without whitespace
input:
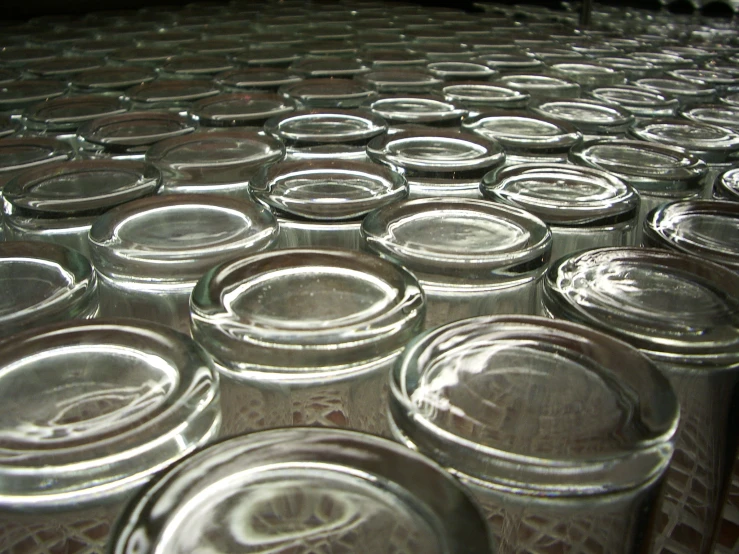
{"x":672,"y":306}
{"x":132,"y":398}
{"x":460,"y":241}
{"x":326,"y":484}
{"x":456,"y":384}
{"x":297,"y":312}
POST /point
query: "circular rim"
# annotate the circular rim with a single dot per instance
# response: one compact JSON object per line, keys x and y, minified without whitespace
{"x":328,"y":93}
{"x":618,"y":122}
{"x":80,"y":462}
{"x":20,"y":94}
{"x":250,"y":345}
{"x":378,"y":461}
{"x":510,"y":99}
{"x":711,"y":143}
{"x":639,"y":101}
{"x":651,"y":425}
{"x":206,"y":112}
{"x":49,"y":151}
{"x":117,"y":78}
{"x":364,"y":126}
{"x":416,"y":109}
{"x":50,"y":115}
{"x":327,"y":190}
{"x":256,"y":78}
{"x":171,"y":92}
{"x":726,"y":185}
{"x":436,"y":261}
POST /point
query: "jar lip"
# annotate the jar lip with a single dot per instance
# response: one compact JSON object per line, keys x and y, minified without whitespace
{"x":135,"y":242}
{"x":590,"y":116}
{"x":104,"y":78}
{"x":325,"y":126}
{"x":323,"y":92}
{"x":65,"y":285}
{"x":243,"y":462}
{"x":562,"y":194}
{"x":591,"y":288}
{"x":385,"y":80}
{"x":328,"y":190}
{"x":525,"y":132}
{"x":404,"y":231}
{"x":82,"y":448}
{"x":664,"y":169}
{"x":253,"y":314}
{"x":415,"y":108}
{"x":463,"y":91}
{"x":727,"y":185}
{"x":213,"y":111}
{"x":194,"y":64}
{"x":101,"y":185}
{"x":407,"y":152}
{"x":31,"y":152}
{"x":639,"y":97}
{"x":171,"y":91}
{"x":65,"y":113}
{"x":113,"y":132}
{"x":676,"y":87}
{"x":26,"y":92}
{"x":722,"y":115}
{"x":536,"y":82}
{"x":264,"y":78}
{"x":440,"y":402}
{"x":711,"y":143}
{"x":699,"y":227}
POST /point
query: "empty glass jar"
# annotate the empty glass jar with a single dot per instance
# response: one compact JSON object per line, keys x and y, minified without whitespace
{"x":681,"y":311}
{"x":562,"y":433}
{"x":149,"y":253}
{"x":305,"y":490}
{"x":91,"y":411}
{"x":305,"y":336}
{"x":472,"y":257}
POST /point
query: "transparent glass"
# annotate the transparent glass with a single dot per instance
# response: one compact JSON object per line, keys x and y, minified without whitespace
{"x":472,"y":257}
{"x":92,"y":410}
{"x":239,"y":109}
{"x":726,"y":186}
{"x":304,"y":491}
{"x":328,"y":93}
{"x":21,"y":154}
{"x":322,"y":202}
{"x":346,"y":313}
{"x":438,"y":162}
{"x":406,"y":109}
{"x":592,"y":118}
{"x":642,"y":103}
{"x":111,"y":79}
{"x":15,"y":97}
{"x":149,"y":253}
{"x":478,"y":97}
{"x":681,"y":311}
{"x":169,"y":95}
{"x":255,"y":79}
{"x":44,"y":283}
{"x":541,"y":86}
{"x":583,"y":207}
{"x":561,"y":432}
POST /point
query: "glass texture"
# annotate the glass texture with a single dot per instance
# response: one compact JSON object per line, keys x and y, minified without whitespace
{"x":193,"y":67}
{"x":44,"y":283}
{"x":151,"y":56}
{"x":438,"y":162}
{"x":18,"y":95}
{"x":19,"y":56}
{"x":8,"y":126}
{"x":472,"y":257}
{"x":633,"y":69}
{"x":299,"y":490}
{"x":719,"y":80}
{"x":588,"y":75}
{"x":681,"y":311}
{"x":400,"y":109}
{"x":67,"y":114}
{"x":256,"y":79}
{"x":106,"y":79}
{"x":714,"y":114}
{"x":329,"y":68}
{"x":8,"y":76}
{"x":173,"y":94}
{"x":276,"y":56}
{"x":540,"y":86}
{"x":592,"y":118}
{"x":478,"y":97}
{"x":239,"y":109}
{"x":642,"y":103}
{"x":491,"y":399}
{"x":726,"y":186}
{"x":328,"y":93}
{"x":20,"y":154}
{"x":347,"y":313}
{"x":397,"y":80}
{"x":686,"y":93}
{"x":96,"y":409}
{"x":63,"y":67}
{"x":459,"y":71}
{"x":507,"y":62}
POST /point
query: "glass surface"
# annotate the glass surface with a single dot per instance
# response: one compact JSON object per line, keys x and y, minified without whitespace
{"x":20,"y":154}
{"x":328,"y":93}
{"x":96,"y":409}
{"x":726,"y":186}
{"x":193,"y":67}
{"x":714,"y":114}
{"x":592,"y":118}
{"x":298,"y":490}
{"x":640,"y":102}
{"x":396,"y":80}
{"x":557,"y":429}
{"x":239,"y":109}
{"x":62,"y":68}
{"x":347,"y":313}
{"x":588,"y":75}
{"x":540,"y":86}
{"x":460,"y":71}
{"x":67,"y":114}
{"x":681,"y":311}
{"x":169,"y":94}
{"x":477,"y":97}
{"x":105,"y":79}
{"x":255,"y":79}
{"x":400,"y":109}
{"x":18,"y":95}
{"x":44,"y":283}
{"x":328,"y":67}
{"x":686,"y":93}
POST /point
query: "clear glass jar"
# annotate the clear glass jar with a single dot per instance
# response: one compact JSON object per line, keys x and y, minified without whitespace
{"x":714,"y":114}
{"x":640,"y":102}
{"x":438,"y":162}
{"x":239,"y":109}
{"x":44,"y":283}
{"x":406,"y":80}
{"x":717,"y":146}
{"x":149,"y":57}
{"x":321,"y":203}
{"x":594,"y":119}
{"x":588,"y":75}
{"x":481,"y":97}
{"x":21,"y":154}
{"x":687,"y":94}
{"x":213,"y":161}
{"x":461,"y":71}
{"x":562,"y":433}
{"x":328,"y":93}
{"x":709,"y":229}
{"x":583,"y":207}
{"x":128,"y":136}
{"x":275,"y":57}
{"x":527,"y":138}
{"x":329,"y":68}
{"x":726,"y":186}
{"x":633,"y":69}
{"x":540,"y":86}
{"x":62,"y":68}
{"x":305,"y":336}
{"x":406,"y":109}
{"x":472,"y":257}
{"x":328,"y":134}
{"x":193,"y":67}
{"x":91,"y":411}
{"x":58,"y":202}
{"x":680,"y":310}
{"x":19,"y":95}
{"x":255,"y":79}
{"x":149,"y":253}
{"x":660,"y":174}
{"x":169,"y":95}
{"x":305,"y":490}
{"x":110,"y":80}
{"x":510,"y":62}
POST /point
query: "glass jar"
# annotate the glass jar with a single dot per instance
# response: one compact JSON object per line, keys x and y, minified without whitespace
{"x":321,"y":203}
{"x":708,"y":229}
{"x":714,"y":114}
{"x":21,"y":154}
{"x":660,"y":174}
{"x":562,"y":433}
{"x":91,"y":411}
{"x":328,"y":93}
{"x":149,"y":253}
{"x":213,"y":161}
{"x":62,"y":68}
{"x":407,"y":109}
{"x":588,"y":75}
{"x":128,"y":136}
{"x":481,"y":97}
{"x":717,"y":146}
{"x":255,"y":79}
{"x":438,"y":162}
{"x":305,"y":336}
{"x":540,"y":86}
{"x":44,"y":283}
{"x":583,"y":207}
{"x":58,"y":202}
{"x":679,"y":310}
{"x":169,"y":95}
{"x":239,"y":109}
{"x":461,"y":71}
{"x":110,"y":80}
{"x":688,"y":94}
{"x":633,"y":69}
{"x":406,"y":80}
{"x":304,"y":490}
{"x":594,"y":119}
{"x":472,"y":257}
{"x":19,"y":95}
{"x":328,"y":134}
{"x":726,"y":186}
{"x":329,"y":67}
{"x":193,"y":67}
{"x":527,"y":138}
{"x":507,"y":63}
{"x":640,"y":102}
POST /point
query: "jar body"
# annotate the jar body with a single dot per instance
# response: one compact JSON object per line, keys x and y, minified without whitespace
{"x":567,"y":240}
{"x":71,"y":232}
{"x":305,"y":233}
